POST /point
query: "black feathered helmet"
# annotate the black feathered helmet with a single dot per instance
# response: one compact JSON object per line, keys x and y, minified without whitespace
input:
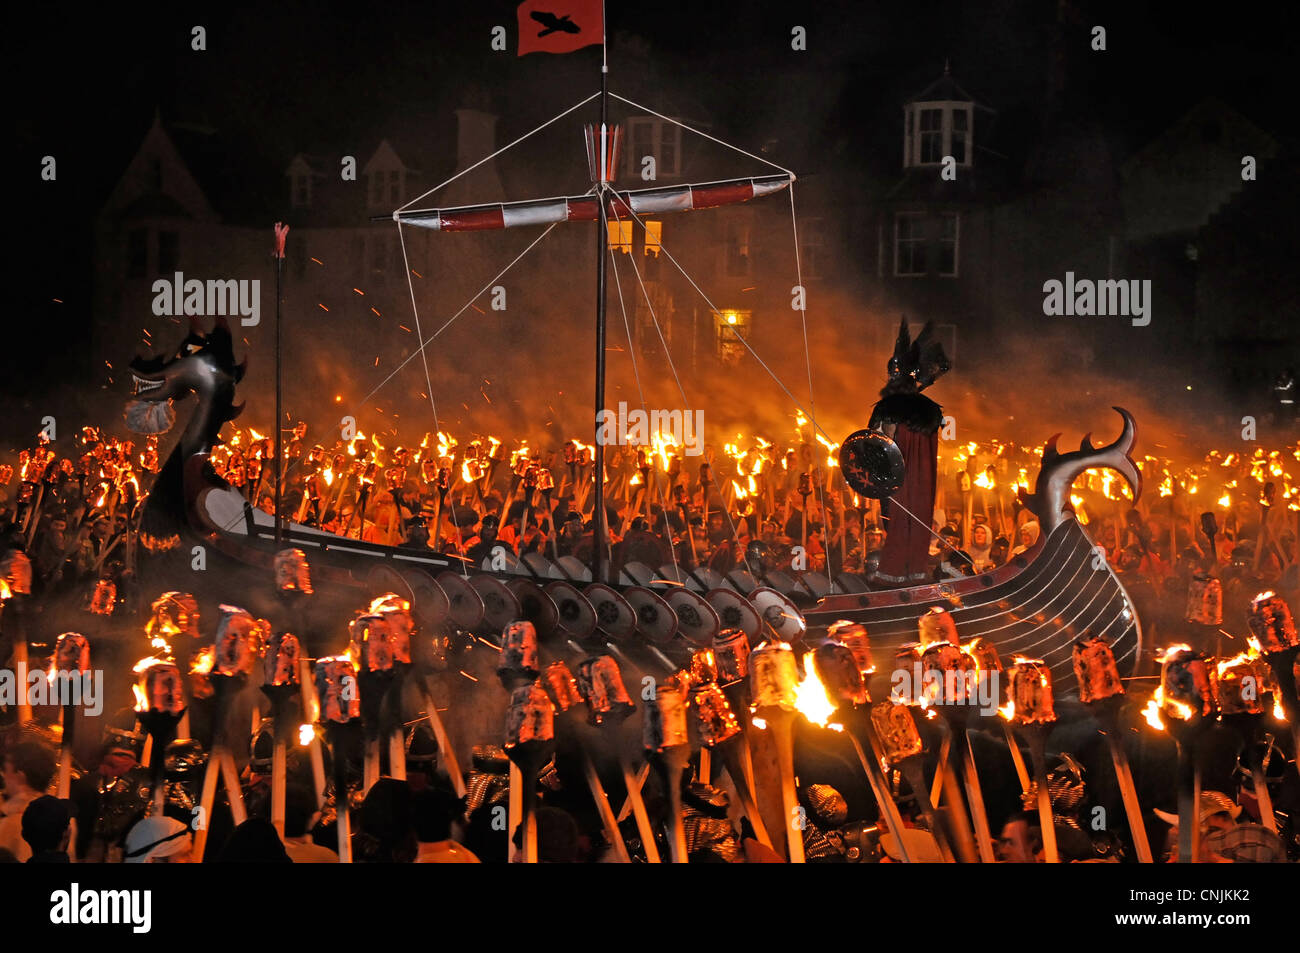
{"x":915,"y":365}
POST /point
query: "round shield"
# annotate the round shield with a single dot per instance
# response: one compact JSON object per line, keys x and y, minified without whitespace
{"x":778,"y":612}
{"x":535,"y":606}
{"x":501,"y":559}
{"x":673,"y":574}
{"x":636,"y":574}
{"x":577,"y":619}
{"x":872,"y":464}
{"x":742,"y":580}
{"x":816,"y":583}
{"x":466,"y":605}
{"x":385,"y":578}
{"x":574,"y":569}
{"x":849,"y":582}
{"x":711,"y":578}
{"x":429,"y":604}
{"x":782,"y":583}
{"x":614,"y":615}
{"x":655,"y":618}
{"x":697,"y":622}
{"x":500,"y":607}
{"x":538,"y":566}
{"x":735,"y":612}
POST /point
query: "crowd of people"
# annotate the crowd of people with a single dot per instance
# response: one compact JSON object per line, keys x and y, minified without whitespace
{"x":71,"y":546}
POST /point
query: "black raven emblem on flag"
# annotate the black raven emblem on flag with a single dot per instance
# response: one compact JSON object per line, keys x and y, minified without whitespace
{"x":554,"y":24}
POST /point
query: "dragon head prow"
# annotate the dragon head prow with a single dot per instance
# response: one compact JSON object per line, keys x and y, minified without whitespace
{"x":1050,"y":501}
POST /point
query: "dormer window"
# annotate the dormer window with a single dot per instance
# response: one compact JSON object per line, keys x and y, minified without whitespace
{"x":933,"y":130}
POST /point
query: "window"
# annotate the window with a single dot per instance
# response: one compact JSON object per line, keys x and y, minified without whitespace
{"x":931,"y":136}
{"x":376,"y":194}
{"x":729,"y":324}
{"x":934,"y":130}
{"x":812,"y":248}
{"x":169,"y":251}
{"x":620,"y":236}
{"x":909,"y":244}
{"x":137,"y":253}
{"x":737,"y":250}
{"x":957,"y":143}
{"x":949,"y":234}
{"x":654,"y":241}
{"x":926,"y":244}
{"x":395,"y":187}
{"x":654,"y":137}
{"x":301,"y":190}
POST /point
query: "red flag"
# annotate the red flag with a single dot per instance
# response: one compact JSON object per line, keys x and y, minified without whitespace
{"x":559,"y":26}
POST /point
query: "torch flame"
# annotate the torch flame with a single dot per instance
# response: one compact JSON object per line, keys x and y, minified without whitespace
{"x":811,"y":699}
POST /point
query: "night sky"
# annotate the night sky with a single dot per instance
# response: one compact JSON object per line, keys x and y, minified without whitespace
{"x":85,"y":84}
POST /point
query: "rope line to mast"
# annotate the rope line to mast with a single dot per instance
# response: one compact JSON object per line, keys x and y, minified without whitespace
{"x":506,"y":148}
{"x":735,"y":536}
{"x":721,"y":142}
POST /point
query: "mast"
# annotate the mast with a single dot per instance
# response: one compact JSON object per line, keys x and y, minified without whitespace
{"x":602,"y":231}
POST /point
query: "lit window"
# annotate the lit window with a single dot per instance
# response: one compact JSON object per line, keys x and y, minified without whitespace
{"x":731,"y":326}
{"x":909,"y":244}
{"x":654,"y":232}
{"x":620,"y":236}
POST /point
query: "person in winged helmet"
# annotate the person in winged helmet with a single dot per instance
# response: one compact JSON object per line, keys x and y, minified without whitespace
{"x":912,"y":420}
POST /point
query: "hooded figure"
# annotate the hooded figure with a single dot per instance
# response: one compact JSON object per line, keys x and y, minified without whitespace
{"x":913,"y":422}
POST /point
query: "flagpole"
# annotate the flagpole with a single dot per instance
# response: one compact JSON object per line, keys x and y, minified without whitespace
{"x":281,"y":232}
{"x":602,"y":231}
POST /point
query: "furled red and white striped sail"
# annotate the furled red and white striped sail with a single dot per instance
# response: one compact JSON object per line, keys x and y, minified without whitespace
{"x":582,"y":208}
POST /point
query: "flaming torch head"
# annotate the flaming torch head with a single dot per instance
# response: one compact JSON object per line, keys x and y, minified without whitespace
{"x":562,"y":687}
{"x":72,"y":653}
{"x":664,"y":724}
{"x":897,"y":731}
{"x":1205,"y":600}
{"x":1094,"y":667}
{"x":1030,"y":692}
{"x":336,"y":686}
{"x":234,"y":655}
{"x":530,"y":723}
{"x":518,"y":660}
{"x":1185,"y":685}
{"x":292,"y":573}
{"x":937,"y":625}
{"x":601,"y":684}
{"x":704,"y":667}
{"x":838,"y":670}
{"x":731,"y":652}
{"x":715,"y":722}
{"x":773,"y":676}
{"x":854,"y":635}
{"x":377,"y":646}
{"x":280,"y":663}
{"x":161,"y":689}
{"x":104,"y":597}
{"x":1272,"y":624}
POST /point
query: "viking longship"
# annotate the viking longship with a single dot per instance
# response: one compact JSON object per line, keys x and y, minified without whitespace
{"x":1057,"y":592}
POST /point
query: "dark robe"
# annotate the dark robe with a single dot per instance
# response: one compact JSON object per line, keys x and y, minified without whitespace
{"x":905,"y":558}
